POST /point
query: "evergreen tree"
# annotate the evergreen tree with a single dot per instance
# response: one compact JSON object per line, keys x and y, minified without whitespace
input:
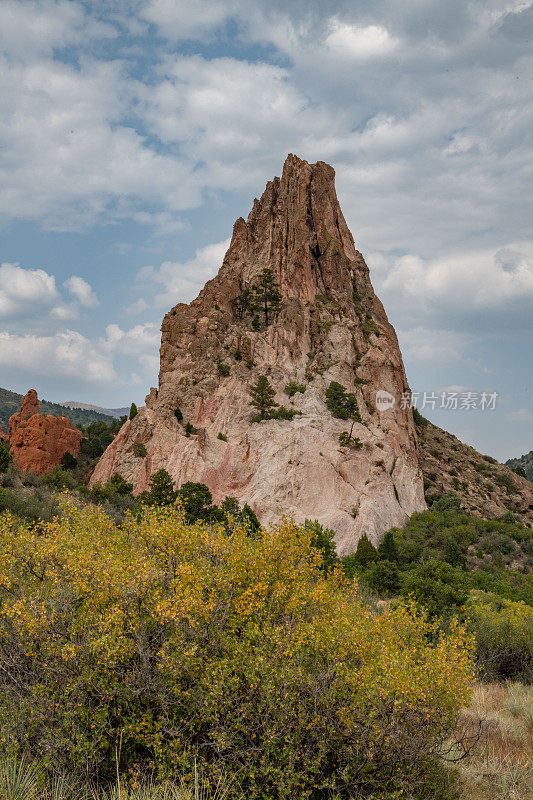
{"x":388,"y":549}
{"x":230,"y":508}
{"x":162,"y":492}
{"x":68,"y":461}
{"x":198,"y":503}
{"x":266,"y":297}
{"x":133,"y":410}
{"x":343,"y":405}
{"x":383,"y":577}
{"x":249,"y":518}
{"x":262,"y":394}
{"x":322,"y":539}
{"x":5,"y":456}
{"x":242,"y":303}
{"x":365,"y":553}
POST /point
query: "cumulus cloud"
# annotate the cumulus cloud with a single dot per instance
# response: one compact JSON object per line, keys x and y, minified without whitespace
{"x":68,"y":161}
{"x":354,"y":41}
{"x":140,"y":340}
{"x":23,"y":291}
{"x":465,"y":284}
{"x":182,"y":280}
{"x":66,"y":353}
{"x":81,"y":290}
{"x":522,"y":415}
{"x":432,"y":346}
{"x":185,"y":19}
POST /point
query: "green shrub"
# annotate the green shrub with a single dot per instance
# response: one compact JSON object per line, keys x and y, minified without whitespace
{"x":178,"y":414}
{"x":341,"y":403}
{"x":223,"y":369}
{"x":190,"y":429}
{"x":68,"y":461}
{"x":222,"y":437}
{"x":293,"y":387}
{"x":59,"y":479}
{"x":5,"y":456}
{"x":504,"y":636}
{"x":437,"y":586}
{"x":133,"y":411}
{"x":383,"y":577}
{"x":153,"y":646}
{"x":346,"y":440}
{"x":419,"y":420}
{"x":139,"y":450}
{"x":447,"y":502}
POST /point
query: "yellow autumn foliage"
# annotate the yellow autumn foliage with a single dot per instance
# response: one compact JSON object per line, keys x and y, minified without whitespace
{"x":156,"y":643}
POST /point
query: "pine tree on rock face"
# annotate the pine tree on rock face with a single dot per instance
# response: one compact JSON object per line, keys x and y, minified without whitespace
{"x":262,"y":394}
{"x":133,"y":410}
{"x":343,"y":405}
{"x":266,"y":295}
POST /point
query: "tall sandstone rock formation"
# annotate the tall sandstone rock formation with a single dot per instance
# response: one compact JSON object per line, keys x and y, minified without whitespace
{"x":330,"y":327}
{"x":38,"y":441}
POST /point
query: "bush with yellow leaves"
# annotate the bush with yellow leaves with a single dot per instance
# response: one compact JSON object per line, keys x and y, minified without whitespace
{"x":152,"y":645}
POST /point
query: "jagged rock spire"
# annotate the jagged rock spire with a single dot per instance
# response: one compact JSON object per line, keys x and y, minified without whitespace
{"x":329,"y":326}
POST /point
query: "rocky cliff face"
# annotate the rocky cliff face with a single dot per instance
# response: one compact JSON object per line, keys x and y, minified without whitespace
{"x":37,"y":441}
{"x":328,"y":326}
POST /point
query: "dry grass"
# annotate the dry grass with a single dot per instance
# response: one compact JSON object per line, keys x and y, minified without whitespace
{"x":501,"y":767}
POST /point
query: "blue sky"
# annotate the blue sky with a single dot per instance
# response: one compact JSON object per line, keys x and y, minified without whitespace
{"x":132,"y":134}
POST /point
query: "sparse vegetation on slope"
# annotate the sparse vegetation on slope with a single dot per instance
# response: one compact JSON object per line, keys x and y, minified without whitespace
{"x":487,"y":488}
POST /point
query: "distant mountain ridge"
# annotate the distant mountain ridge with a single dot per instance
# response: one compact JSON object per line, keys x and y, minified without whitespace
{"x":109,"y":412}
{"x":525,"y":461}
{"x":10,"y":403}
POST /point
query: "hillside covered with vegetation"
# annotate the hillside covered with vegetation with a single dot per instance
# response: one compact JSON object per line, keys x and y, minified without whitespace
{"x":10,"y":403}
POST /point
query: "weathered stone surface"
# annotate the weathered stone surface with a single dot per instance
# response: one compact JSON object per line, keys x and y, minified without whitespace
{"x":331,"y":327}
{"x":37,"y":441}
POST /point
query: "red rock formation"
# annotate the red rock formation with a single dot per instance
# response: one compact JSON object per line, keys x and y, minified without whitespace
{"x":330,"y":327}
{"x":37,"y":441}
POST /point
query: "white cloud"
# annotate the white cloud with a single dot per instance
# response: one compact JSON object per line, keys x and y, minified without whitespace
{"x":65,"y":311}
{"x":236,"y":120}
{"x":432,"y":346}
{"x":182,"y":280}
{"x":137,"y":341}
{"x":358,"y":42}
{"x":68,"y":161}
{"x":24,"y":291}
{"x":481,"y":280}
{"x":66,"y":353}
{"x":38,"y":26}
{"x":137,"y":307}
{"x":81,"y":290}
{"x":522,"y":415}
{"x":185,"y":19}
